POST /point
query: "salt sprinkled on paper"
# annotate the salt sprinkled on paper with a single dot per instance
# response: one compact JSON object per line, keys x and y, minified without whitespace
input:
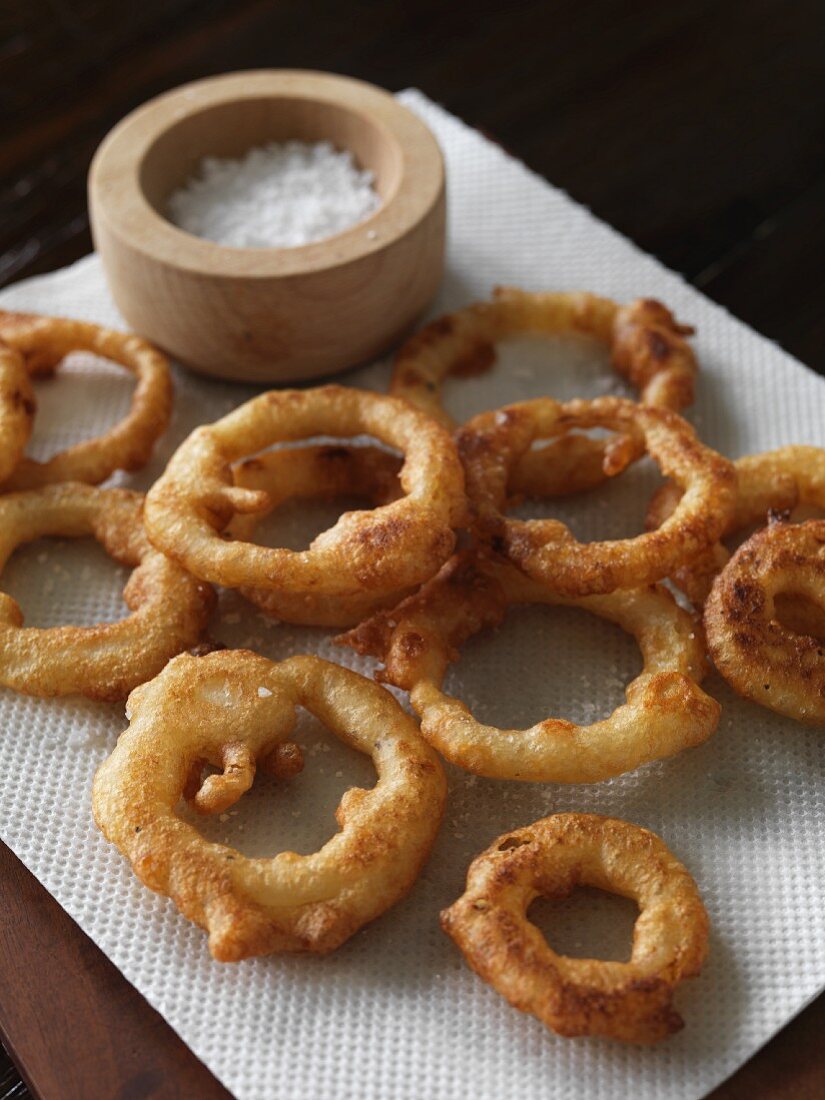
{"x":276,"y":196}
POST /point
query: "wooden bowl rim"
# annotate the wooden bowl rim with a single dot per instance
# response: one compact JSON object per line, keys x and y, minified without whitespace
{"x":115,"y":189}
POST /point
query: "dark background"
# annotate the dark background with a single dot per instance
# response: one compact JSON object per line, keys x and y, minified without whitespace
{"x":696,"y":128}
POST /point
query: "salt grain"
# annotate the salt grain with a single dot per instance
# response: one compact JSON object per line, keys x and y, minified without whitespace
{"x":264,"y":693}
{"x":276,"y":196}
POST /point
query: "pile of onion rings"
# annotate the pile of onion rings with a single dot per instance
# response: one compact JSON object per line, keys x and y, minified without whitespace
{"x":392,"y":573}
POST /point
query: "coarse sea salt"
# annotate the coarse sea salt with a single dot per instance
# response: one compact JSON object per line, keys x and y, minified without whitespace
{"x":276,"y":196}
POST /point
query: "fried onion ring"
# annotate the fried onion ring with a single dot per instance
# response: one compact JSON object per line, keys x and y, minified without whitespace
{"x":44,"y":342}
{"x":17,"y":409}
{"x":235,"y":710}
{"x":169,"y":607}
{"x":666,"y":710}
{"x":324,"y":471}
{"x":775,"y":481}
{"x":760,"y":657}
{"x":492,"y":444}
{"x":648,"y":348}
{"x":392,"y":547}
{"x":631,"y":1001}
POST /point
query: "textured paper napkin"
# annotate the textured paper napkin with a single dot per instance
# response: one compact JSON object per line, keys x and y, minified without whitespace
{"x":395,"y":1014}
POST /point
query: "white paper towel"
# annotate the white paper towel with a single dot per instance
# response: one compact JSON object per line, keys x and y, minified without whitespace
{"x":396,"y":1014}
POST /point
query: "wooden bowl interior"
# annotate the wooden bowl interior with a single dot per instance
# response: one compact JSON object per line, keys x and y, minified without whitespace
{"x":229,"y":129}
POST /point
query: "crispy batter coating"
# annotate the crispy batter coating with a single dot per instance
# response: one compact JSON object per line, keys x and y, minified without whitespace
{"x":169,"y":607}
{"x":391,"y":547}
{"x":17,"y":409}
{"x":648,"y":348}
{"x":631,"y":1001}
{"x":492,"y":444}
{"x":772,"y":482}
{"x":761,"y":658}
{"x":326,"y":471}
{"x":235,"y":710}
{"x":666,"y":710}
{"x":44,"y":342}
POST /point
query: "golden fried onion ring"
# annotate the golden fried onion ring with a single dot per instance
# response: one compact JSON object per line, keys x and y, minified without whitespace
{"x":235,"y":710}
{"x":492,"y":444}
{"x":394,"y":546}
{"x":169,"y":607}
{"x":632,"y":1001}
{"x":325,"y":471}
{"x":17,"y":409}
{"x":648,"y":348}
{"x":44,"y":342}
{"x":666,"y":711}
{"x":759,"y":657}
{"x":772,"y":482}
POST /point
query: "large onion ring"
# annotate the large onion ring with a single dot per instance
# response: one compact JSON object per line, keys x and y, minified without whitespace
{"x":44,"y":342}
{"x":492,"y":444}
{"x":394,"y":546}
{"x":759,"y":657}
{"x":666,"y":710}
{"x":169,"y":607}
{"x":325,"y":471}
{"x":648,"y":347}
{"x":772,"y":482}
{"x":632,"y":1001}
{"x":17,"y":409}
{"x":235,"y":710}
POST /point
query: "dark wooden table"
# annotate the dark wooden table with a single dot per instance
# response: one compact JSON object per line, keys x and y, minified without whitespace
{"x":696,"y":128}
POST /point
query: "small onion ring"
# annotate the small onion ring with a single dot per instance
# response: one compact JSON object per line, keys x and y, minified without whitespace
{"x":44,"y":342}
{"x":631,"y":1001}
{"x":648,"y":347}
{"x":666,"y":710}
{"x":170,"y":608}
{"x":758,"y":656}
{"x":492,"y":444}
{"x":325,"y":471}
{"x":235,"y":710}
{"x":772,"y":482}
{"x":17,"y":409}
{"x":394,"y":546}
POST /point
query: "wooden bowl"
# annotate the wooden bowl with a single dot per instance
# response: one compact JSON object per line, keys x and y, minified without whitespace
{"x":269,"y":314}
